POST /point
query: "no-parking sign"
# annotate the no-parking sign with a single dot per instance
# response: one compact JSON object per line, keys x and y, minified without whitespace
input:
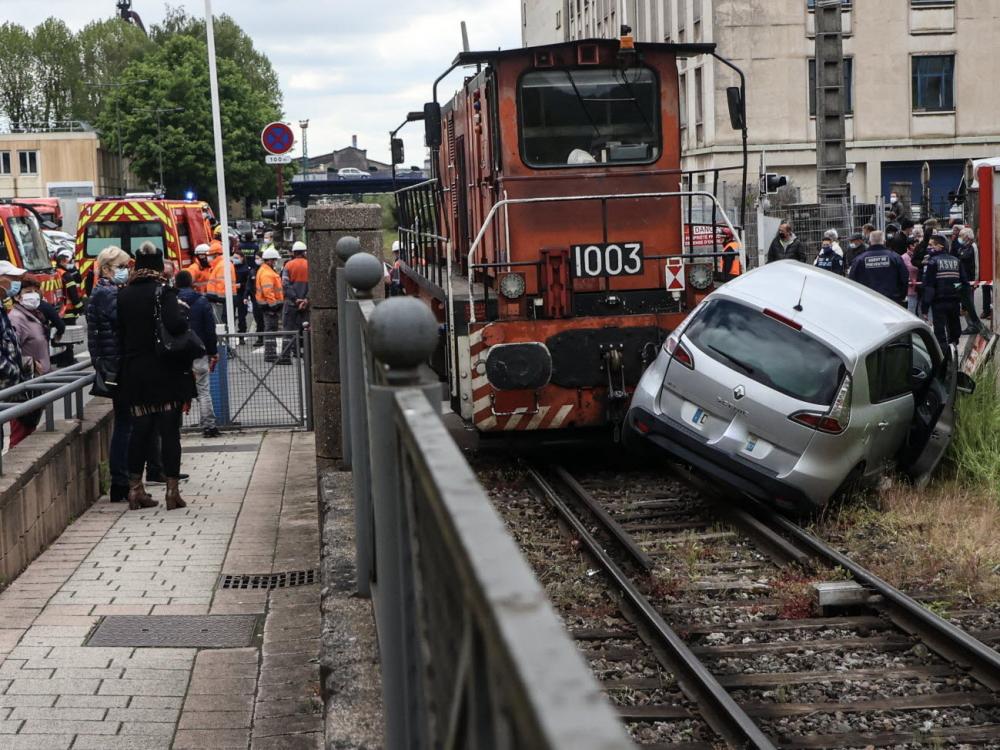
{"x":277,"y":138}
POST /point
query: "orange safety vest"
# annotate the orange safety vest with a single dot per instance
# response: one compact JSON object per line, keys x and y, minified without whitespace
{"x":732,"y":255}
{"x":297,"y":270}
{"x":216,"y":283}
{"x":215,"y":248}
{"x":199,"y":276}
{"x":269,"y":291}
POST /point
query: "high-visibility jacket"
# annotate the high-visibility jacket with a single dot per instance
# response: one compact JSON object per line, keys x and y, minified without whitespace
{"x":216,"y":284}
{"x":215,"y":248}
{"x":730,"y":262}
{"x":199,"y":276}
{"x":268,"y":286}
{"x":295,"y":276}
{"x":70,"y":280}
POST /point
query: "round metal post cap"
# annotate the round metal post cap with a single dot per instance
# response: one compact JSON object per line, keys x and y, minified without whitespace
{"x":403,"y":332}
{"x":346,"y":247}
{"x":364,"y":271}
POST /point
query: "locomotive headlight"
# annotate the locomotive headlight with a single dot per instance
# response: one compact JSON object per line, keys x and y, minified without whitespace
{"x":699,"y":275}
{"x":512,"y":285}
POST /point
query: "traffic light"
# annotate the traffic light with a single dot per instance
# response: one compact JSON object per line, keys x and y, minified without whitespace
{"x":770,"y":182}
{"x":275,"y":214}
{"x":397,"y":151}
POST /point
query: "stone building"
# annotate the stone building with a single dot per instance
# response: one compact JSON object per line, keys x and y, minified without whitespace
{"x":919,"y":79}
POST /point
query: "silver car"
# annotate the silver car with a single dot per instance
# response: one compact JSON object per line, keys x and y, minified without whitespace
{"x":791,"y":383}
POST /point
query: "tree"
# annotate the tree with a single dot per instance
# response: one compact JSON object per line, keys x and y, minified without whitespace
{"x":176,"y":72}
{"x":18,"y":91}
{"x":57,"y":70}
{"x":106,"y":49}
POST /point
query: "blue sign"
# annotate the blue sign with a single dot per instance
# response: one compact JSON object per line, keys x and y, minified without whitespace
{"x":277,"y":138}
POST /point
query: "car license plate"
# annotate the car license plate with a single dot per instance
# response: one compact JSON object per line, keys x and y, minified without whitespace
{"x":607,"y":259}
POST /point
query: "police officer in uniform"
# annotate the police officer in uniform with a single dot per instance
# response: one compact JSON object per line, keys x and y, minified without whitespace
{"x":829,"y":259}
{"x":881,"y":270}
{"x":944,"y":284}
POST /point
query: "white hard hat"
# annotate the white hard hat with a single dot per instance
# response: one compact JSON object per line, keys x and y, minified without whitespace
{"x":65,"y":253}
{"x":395,"y":246}
{"x":299,"y":247}
{"x":271,"y":254}
{"x":202,"y":249}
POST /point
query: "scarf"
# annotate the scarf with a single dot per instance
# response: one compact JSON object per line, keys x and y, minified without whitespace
{"x":140,"y":274}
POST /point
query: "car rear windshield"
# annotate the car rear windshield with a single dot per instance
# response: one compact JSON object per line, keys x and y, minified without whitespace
{"x":767,"y":351}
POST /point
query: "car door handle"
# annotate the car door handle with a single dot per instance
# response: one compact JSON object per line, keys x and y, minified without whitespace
{"x":883,"y":425}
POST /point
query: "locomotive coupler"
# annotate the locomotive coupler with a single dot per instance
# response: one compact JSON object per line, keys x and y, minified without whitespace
{"x":614,"y":365}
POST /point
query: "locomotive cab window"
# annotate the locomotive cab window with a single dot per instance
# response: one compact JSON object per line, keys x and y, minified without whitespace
{"x":596,"y":116}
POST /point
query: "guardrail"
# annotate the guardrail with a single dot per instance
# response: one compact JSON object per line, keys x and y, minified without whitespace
{"x":472,"y":653}
{"x":64,"y":385}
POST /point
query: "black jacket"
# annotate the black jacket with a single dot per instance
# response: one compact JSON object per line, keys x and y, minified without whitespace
{"x":794,"y":251}
{"x":898,"y":243}
{"x":882,"y":271}
{"x":147,"y":379}
{"x":944,"y":279}
{"x":201,"y":319}
{"x":102,"y":321}
{"x":966,"y":255}
{"x":828,"y":260}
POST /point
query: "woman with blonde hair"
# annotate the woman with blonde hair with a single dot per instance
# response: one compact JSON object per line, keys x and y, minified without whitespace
{"x":113,"y":269}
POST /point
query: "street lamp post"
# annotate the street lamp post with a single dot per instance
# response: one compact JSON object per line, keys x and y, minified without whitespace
{"x":159,"y":138}
{"x":303,"y":124}
{"x":118,"y":138}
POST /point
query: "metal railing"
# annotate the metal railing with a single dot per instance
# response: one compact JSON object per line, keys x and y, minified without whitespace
{"x":66,"y":385}
{"x":472,"y":653}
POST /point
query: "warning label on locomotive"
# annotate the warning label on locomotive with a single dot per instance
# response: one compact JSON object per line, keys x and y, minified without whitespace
{"x":607,"y":259}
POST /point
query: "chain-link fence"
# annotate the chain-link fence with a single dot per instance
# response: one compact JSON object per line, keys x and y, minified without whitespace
{"x":260,"y":380}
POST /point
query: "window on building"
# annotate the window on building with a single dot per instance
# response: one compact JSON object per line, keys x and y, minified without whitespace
{"x":918,"y":3}
{"x":934,"y":83}
{"x":699,"y":96}
{"x":682,"y":113}
{"x":28,"y":162}
{"x":811,"y":4}
{"x":696,"y":11}
{"x":668,"y":20}
{"x":848,"y":86}
{"x":558,"y":19}
{"x":4,"y":162}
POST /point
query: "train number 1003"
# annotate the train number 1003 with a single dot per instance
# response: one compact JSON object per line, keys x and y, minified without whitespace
{"x":608,"y":259}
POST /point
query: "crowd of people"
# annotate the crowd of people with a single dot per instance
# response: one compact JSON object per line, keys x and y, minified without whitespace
{"x":152,"y":338}
{"x":928,"y":269}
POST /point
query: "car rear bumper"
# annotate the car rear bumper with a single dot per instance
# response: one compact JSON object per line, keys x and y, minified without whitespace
{"x":734,"y":473}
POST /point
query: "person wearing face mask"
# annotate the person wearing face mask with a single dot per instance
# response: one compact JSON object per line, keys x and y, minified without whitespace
{"x":242,"y":279}
{"x":855,"y":246}
{"x":201,"y":269}
{"x":256,"y":307}
{"x":69,"y":277}
{"x":271,"y":297}
{"x":944,"y":285}
{"x":964,"y":248}
{"x":829,"y":259}
{"x":786,"y":246}
{"x":29,"y":325}
{"x":11,"y":360}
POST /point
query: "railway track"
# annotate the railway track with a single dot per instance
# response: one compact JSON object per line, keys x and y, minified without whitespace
{"x":712,"y":639}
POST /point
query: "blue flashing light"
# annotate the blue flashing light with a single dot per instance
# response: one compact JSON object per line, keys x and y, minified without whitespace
{"x":189,"y":195}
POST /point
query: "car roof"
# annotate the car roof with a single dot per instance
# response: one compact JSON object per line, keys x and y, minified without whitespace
{"x":848,"y":316}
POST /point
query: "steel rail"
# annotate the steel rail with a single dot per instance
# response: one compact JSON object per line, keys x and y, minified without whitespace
{"x":718,"y":708}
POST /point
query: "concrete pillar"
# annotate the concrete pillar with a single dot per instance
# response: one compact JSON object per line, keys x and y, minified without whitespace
{"x":325,"y":224}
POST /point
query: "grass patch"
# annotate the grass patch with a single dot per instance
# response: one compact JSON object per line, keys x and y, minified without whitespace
{"x":974,"y":458}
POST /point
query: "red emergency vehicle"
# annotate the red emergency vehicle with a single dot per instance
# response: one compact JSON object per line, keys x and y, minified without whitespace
{"x":22,"y":243}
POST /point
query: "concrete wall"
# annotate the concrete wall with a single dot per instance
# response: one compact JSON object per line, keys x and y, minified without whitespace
{"x":48,"y":480}
{"x":325,"y":224}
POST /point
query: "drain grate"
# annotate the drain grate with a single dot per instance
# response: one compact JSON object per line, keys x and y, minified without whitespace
{"x":175,"y":631}
{"x":269,"y":580}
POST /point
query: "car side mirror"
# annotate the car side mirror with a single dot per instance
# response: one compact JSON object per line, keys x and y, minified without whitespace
{"x":737,"y":111}
{"x":432,"y":124}
{"x":965,"y":384}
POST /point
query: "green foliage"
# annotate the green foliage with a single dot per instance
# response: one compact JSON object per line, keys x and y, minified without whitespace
{"x":106,"y":49}
{"x":57,"y":70}
{"x":18,"y":92}
{"x":975,"y":447}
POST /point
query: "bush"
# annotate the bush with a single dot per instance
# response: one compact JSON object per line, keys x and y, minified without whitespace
{"x":975,"y":447}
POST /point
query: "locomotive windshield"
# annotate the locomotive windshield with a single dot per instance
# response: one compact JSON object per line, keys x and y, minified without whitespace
{"x":583,"y":117}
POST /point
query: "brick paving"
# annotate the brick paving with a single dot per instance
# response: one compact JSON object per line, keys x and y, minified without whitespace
{"x":250,"y":511}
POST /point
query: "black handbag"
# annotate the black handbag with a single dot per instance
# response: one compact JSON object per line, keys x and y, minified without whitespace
{"x":106,"y":371}
{"x":186,"y":347}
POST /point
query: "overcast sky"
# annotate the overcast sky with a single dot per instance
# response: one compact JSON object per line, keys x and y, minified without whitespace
{"x":348,"y":67}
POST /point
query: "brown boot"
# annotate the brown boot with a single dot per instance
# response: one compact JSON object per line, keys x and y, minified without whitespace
{"x":137,"y":495}
{"x":174,"y":499}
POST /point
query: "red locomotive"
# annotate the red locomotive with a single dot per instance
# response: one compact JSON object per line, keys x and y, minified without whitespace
{"x":550,"y":239}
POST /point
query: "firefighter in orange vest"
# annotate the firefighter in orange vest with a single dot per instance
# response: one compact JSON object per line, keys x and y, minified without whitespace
{"x":728,"y":265}
{"x":271,"y":298}
{"x":201,"y":269}
{"x":216,"y":247}
{"x":295,"y":284}
{"x":215,"y":283}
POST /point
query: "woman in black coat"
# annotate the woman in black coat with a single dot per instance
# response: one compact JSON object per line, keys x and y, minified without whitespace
{"x":155,"y":388}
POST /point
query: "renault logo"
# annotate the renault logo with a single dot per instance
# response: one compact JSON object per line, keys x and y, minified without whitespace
{"x":739,"y":392}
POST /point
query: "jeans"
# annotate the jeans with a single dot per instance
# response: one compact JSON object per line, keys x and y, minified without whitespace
{"x":118,"y":453}
{"x":271,"y":316}
{"x":201,"y":369}
{"x":166,"y":424}
{"x":911,"y":303}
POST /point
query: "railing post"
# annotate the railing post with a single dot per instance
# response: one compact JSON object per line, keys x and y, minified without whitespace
{"x":346,"y":248}
{"x":362,"y":272}
{"x":402,"y":335}
{"x":307,"y":375}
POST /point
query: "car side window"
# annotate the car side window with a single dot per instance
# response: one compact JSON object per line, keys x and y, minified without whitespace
{"x":923,"y":362}
{"x":4,"y":253}
{"x":889,"y":370}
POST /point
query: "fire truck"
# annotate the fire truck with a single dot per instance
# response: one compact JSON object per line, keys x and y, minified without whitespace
{"x":22,"y":243}
{"x":48,"y":209}
{"x":986,"y":187}
{"x":176,"y":227}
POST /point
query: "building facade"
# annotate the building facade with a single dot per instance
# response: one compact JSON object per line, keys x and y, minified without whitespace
{"x":918,"y":81}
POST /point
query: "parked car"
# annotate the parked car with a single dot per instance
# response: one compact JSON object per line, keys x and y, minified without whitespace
{"x":352,"y":173}
{"x":791,"y":384}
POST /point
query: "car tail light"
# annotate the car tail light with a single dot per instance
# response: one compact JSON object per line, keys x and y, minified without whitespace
{"x":836,"y":420}
{"x":678,"y":352}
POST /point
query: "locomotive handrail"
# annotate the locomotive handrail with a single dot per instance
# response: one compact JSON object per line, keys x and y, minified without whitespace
{"x":470,"y":261}
{"x":414,"y":187}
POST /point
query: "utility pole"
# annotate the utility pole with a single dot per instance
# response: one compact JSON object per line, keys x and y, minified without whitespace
{"x":831,"y":107}
{"x":159,"y":138}
{"x":304,"y":124}
{"x":118,"y":138}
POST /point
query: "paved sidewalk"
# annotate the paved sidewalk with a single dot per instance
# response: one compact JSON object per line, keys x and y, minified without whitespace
{"x":252,"y":510}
